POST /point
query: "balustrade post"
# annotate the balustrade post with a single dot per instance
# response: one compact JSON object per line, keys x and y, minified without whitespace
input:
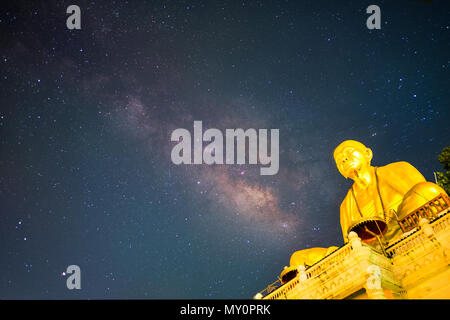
{"x":354,"y":240}
{"x":258,"y":296}
{"x":302,"y":273}
{"x":427,"y":228}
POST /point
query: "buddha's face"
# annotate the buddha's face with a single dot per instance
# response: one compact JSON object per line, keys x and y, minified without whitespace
{"x":352,"y":160}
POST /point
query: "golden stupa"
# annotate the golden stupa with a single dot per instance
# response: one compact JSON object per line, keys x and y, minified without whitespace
{"x":396,"y":229}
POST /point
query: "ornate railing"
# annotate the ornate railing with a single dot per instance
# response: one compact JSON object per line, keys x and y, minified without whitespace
{"x":327,"y":261}
{"x":282,"y":291}
{"x":418,"y":238}
{"x":271,"y":288}
{"x":313,"y":271}
{"x":441,"y":222}
{"x":429,"y":210}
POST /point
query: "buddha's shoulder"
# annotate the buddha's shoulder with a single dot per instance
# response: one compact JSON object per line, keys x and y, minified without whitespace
{"x":400,"y":172}
{"x":396,"y":167}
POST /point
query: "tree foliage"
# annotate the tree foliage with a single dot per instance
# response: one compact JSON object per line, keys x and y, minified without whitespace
{"x":444,"y":177}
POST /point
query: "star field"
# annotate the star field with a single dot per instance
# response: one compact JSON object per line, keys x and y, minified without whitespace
{"x":86,"y":116}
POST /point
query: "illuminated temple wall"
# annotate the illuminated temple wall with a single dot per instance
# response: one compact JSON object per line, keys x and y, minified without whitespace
{"x":416,"y":267}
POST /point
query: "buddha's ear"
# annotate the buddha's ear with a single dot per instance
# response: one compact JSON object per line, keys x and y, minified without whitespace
{"x":368,"y":153}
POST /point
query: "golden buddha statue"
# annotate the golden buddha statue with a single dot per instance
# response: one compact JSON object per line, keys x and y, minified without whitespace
{"x":308,"y":257}
{"x":370,"y":205}
{"x":391,"y":205}
{"x":305,"y":258}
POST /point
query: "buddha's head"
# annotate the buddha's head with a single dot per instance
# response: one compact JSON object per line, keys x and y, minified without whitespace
{"x":352,"y":158}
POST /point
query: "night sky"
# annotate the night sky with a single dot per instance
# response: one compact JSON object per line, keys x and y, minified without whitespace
{"x":86,"y":116}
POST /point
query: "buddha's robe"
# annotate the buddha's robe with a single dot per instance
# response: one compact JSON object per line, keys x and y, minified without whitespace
{"x":394,"y":181}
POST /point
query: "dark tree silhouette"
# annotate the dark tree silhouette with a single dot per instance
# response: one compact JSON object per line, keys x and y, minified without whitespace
{"x":444,"y":177}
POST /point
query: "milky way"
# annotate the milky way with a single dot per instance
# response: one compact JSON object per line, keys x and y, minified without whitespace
{"x":228,"y":185}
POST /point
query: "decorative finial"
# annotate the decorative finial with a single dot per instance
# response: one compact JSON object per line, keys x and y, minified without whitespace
{"x":258,"y":296}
